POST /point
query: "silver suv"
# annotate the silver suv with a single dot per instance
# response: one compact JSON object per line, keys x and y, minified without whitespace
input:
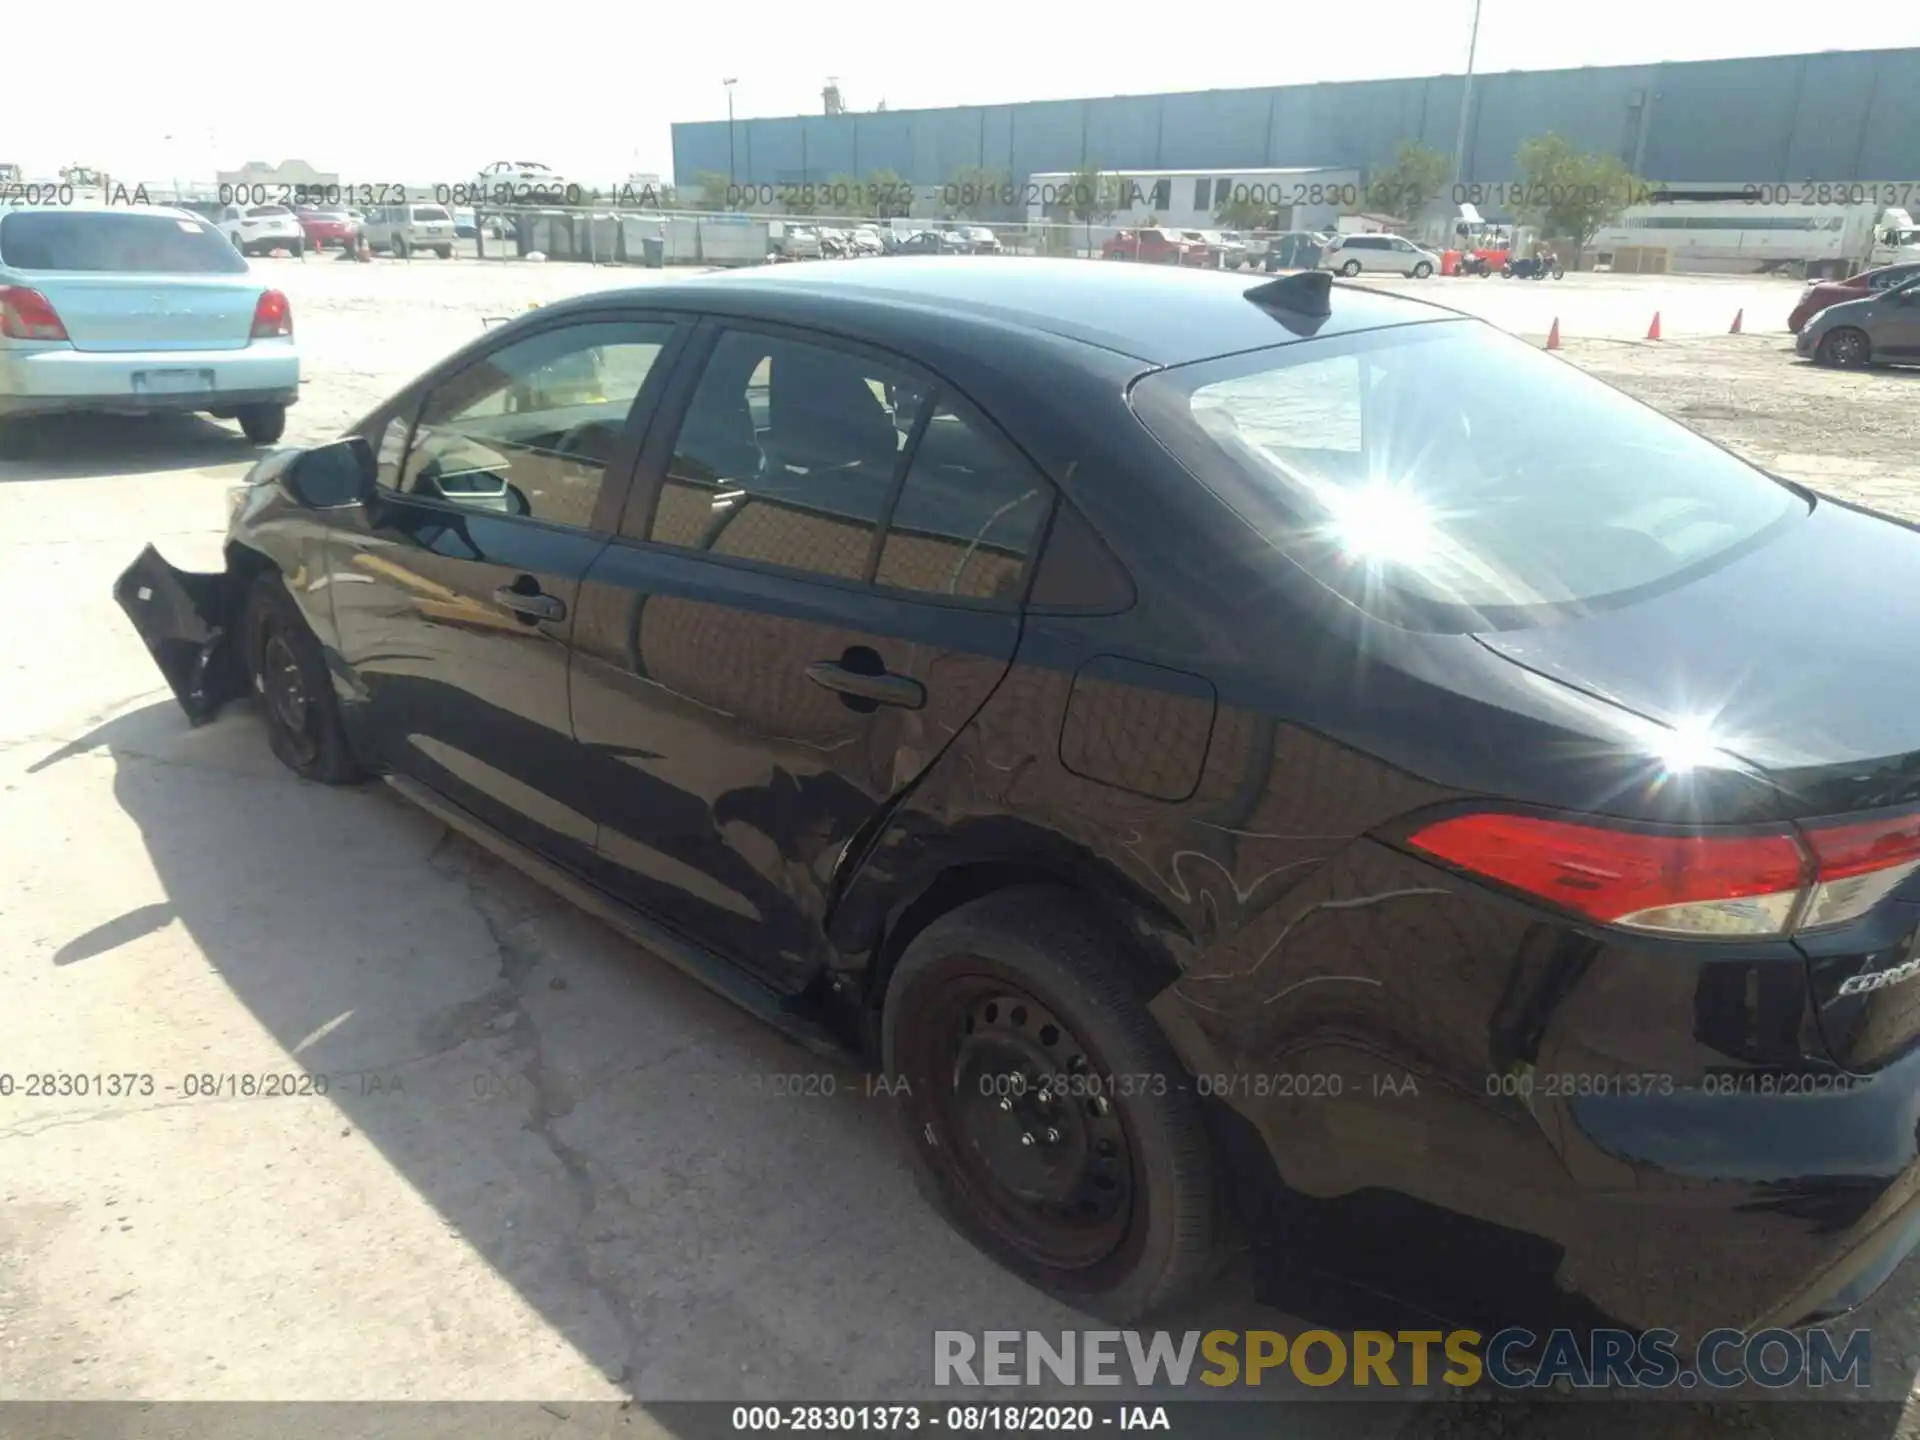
{"x":406,"y":228}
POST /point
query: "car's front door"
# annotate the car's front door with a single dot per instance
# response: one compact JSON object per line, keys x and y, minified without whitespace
{"x":1897,"y":323}
{"x":455,"y":597}
{"x":816,"y":585}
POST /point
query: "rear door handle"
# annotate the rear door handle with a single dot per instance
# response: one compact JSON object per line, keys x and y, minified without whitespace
{"x":531,"y":605}
{"x":877,"y":689}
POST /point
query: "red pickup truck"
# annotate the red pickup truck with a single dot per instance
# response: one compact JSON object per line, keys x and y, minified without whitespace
{"x":1158,"y":247}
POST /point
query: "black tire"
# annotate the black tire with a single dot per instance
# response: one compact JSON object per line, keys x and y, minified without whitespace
{"x":1350,"y":269}
{"x":445,"y":252}
{"x":262,"y":424}
{"x":291,"y":684}
{"x":1845,"y":348}
{"x":996,"y":978}
{"x":1422,"y":270}
{"x":399,"y":246}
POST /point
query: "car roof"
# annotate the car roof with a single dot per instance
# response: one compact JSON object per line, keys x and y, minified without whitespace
{"x":1160,"y":314}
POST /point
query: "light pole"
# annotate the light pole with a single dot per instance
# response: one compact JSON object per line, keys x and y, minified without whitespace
{"x":730,"y":84}
{"x":1466,"y":95}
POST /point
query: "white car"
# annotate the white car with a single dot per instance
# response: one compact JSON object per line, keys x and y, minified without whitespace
{"x":260,"y":229}
{"x":1381,"y":254}
{"x":123,"y":309}
{"x":522,"y":182}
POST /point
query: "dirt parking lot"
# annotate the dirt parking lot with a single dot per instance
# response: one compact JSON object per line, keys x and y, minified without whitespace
{"x":538,"y":1172}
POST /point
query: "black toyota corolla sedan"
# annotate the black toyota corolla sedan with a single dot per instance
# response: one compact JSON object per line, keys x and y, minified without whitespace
{"x":1245,"y":760}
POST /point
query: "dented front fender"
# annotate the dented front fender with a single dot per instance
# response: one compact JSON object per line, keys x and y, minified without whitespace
{"x":189,"y":622}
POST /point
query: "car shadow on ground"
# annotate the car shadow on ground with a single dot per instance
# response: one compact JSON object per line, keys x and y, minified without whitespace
{"x":672,"y":1185}
{"x":72,"y":447}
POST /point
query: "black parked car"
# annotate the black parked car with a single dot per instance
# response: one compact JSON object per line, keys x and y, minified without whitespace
{"x":1268,"y":743}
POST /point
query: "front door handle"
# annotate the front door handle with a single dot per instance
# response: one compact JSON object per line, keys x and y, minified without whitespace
{"x":882,"y":689}
{"x":530,"y":604}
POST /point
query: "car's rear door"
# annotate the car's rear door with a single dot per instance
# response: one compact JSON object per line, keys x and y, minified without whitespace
{"x":816,"y":585}
{"x":454,"y":596}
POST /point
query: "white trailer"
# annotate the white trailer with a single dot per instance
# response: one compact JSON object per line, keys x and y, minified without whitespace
{"x":1748,"y":236}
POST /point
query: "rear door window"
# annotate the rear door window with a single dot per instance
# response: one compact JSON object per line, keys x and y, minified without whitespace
{"x":121,"y":242}
{"x":787,"y":455}
{"x":966,"y":517}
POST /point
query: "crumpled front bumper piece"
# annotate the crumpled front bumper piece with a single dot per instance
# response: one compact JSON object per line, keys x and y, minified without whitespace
{"x":186,"y":619}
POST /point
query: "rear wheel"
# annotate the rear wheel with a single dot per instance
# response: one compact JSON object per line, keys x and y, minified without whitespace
{"x":399,"y":247}
{"x":1845,"y":347}
{"x":445,"y":252}
{"x":291,"y":683}
{"x":1051,"y":1122}
{"x":262,"y":424}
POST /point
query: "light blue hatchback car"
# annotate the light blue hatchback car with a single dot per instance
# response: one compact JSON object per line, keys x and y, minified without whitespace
{"x":137,"y":309}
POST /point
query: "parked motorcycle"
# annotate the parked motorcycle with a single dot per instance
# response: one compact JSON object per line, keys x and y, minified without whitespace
{"x":1537,"y":267}
{"x":1475,"y":265}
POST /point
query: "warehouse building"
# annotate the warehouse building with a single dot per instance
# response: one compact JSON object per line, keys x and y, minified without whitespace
{"x":1835,"y":116}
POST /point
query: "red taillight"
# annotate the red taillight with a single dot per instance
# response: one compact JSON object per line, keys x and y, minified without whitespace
{"x":272,"y":316}
{"x":28,"y":315}
{"x":1765,"y":883}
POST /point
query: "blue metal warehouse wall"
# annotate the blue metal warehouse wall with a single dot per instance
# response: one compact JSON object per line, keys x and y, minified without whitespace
{"x":1794,"y":117}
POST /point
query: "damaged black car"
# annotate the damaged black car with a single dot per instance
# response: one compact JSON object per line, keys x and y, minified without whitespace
{"x":1248,"y":761}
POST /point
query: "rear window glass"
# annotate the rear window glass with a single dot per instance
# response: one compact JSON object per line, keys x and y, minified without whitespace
{"x":115,"y":241}
{"x":429,"y":212}
{"x":1448,"y":476}
{"x":269,"y":210}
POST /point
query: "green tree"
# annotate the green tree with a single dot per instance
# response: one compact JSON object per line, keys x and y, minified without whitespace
{"x":1403,"y":189}
{"x":848,"y":198}
{"x":974,"y":192}
{"x":887,"y":193}
{"x":709,"y":191}
{"x":1092,"y":197}
{"x":1569,"y":194}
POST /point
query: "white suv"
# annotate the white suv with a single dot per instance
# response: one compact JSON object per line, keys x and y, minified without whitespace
{"x":259,"y":229}
{"x":403,"y":229}
{"x":1389,"y":254}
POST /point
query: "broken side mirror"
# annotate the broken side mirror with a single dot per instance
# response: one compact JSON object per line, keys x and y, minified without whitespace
{"x":331,"y":477}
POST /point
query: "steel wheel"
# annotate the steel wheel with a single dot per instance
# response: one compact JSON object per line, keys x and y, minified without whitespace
{"x":1845,"y":347}
{"x":281,"y":687}
{"x":1039,"y":1146}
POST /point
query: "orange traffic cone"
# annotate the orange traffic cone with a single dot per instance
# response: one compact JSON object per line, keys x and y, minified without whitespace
{"x":1553,"y":335}
{"x":1653,"y":330}
{"x":1736,"y":321}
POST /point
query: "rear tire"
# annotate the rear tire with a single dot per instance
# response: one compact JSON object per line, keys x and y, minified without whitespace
{"x":1845,"y":348}
{"x":445,"y":252}
{"x":290,"y":681}
{"x":262,"y":424}
{"x":1051,"y":1122}
{"x":399,"y":247}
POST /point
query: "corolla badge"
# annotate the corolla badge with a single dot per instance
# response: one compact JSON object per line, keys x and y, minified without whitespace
{"x":1881,"y":979}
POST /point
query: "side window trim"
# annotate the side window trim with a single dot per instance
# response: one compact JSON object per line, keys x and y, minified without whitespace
{"x":618,"y":476}
{"x":902,"y":467}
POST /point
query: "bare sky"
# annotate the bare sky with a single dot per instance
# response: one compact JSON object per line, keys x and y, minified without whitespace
{"x":399,"y":91}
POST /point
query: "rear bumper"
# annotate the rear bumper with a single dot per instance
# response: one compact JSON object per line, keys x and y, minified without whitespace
{"x":1514,"y":1119}
{"x":41,"y":382}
